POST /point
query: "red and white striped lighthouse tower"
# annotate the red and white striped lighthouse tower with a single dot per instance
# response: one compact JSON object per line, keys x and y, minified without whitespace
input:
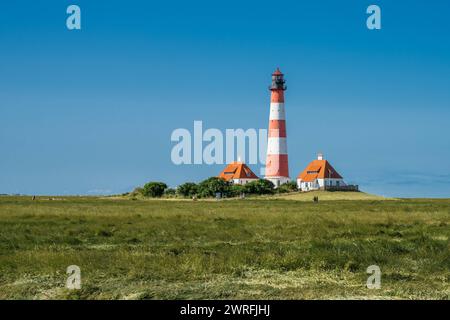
{"x":277,"y":169}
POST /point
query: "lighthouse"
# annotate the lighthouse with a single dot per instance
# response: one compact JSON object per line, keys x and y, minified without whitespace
{"x":277,"y":169}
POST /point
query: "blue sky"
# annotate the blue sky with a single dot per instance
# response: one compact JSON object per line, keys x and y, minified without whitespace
{"x":92,"y":111}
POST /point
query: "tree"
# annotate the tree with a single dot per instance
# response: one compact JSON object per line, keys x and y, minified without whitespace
{"x":213,"y":185}
{"x":290,"y":186}
{"x":236,"y":190}
{"x":154,"y":189}
{"x":170,"y":192}
{"x":260,"y":186}
{"x":188,"y":189}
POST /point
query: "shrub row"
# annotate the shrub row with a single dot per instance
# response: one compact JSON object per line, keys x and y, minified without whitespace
{"x":210,"y":187}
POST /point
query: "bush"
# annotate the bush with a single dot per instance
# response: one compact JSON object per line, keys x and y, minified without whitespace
{"x":154,"y":189}
{"x":210,"y":186}
{"x":236,"y":190}
{"x":170,"y":192}
{"x":136,"y":192}
{"x":188,"y":189}
{"x":290,"y":186}
{"x":260,"y":186}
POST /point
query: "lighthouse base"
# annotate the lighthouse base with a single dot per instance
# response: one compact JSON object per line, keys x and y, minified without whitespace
{"x":278,"y":181}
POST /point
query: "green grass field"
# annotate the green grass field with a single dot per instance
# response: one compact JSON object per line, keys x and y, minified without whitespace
{"x":251,"y":248}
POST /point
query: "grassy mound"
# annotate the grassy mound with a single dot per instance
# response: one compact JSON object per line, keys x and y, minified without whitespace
{"x":327,"y":195}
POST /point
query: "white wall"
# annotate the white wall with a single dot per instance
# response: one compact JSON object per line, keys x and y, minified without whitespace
{"x":319,"y":183}
{"x":278,"y":181}
{"x":243,"y":181}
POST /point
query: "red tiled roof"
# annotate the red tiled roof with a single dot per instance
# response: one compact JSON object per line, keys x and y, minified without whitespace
{"x":319,"y":169}
{"x":237,"y":170}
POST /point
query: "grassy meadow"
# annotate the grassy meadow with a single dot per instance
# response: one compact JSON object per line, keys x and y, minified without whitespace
{"x":265,"y":248}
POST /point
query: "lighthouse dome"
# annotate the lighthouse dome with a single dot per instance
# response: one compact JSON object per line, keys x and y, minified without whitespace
{"x":277,"y":72}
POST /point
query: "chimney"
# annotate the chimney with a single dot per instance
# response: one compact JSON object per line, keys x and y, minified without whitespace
{"x":320,"y":156}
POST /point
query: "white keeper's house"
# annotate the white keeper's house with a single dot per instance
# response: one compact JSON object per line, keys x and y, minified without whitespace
{"x":320,"y":175}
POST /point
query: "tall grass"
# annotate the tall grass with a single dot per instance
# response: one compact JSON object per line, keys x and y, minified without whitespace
{"x":273,"y":249}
